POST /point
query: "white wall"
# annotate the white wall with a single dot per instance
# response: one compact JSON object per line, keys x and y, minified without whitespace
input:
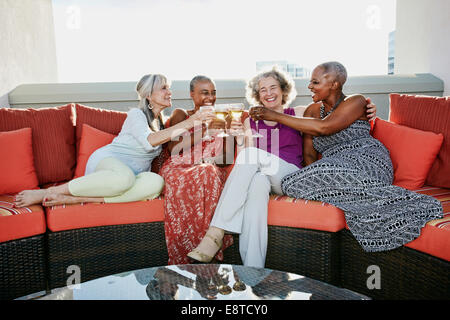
{"x":422,"y":39}
{"x":27,"y":44}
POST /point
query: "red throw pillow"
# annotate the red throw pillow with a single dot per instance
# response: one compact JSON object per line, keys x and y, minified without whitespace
{"x":428,"y":114}
{"x":91,"y":140}
{"x":109,"y":121}
{"x":53,"y":139}
{"x":17,"y":170}
{"x":412,"y":151}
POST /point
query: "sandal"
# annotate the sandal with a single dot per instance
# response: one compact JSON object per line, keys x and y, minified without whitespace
{"x":199,"y":256}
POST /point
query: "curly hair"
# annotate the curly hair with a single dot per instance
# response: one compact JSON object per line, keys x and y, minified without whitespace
{"x":287,"y":86}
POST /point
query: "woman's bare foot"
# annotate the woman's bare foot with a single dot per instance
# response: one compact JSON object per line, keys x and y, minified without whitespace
{"x":29,"y":197}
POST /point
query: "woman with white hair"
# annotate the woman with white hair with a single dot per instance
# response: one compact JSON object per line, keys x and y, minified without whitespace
{"x":259,"y":168}
{"x":119,"y":171}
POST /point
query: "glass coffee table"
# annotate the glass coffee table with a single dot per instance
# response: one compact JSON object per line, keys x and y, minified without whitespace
{"x":201,"y":282}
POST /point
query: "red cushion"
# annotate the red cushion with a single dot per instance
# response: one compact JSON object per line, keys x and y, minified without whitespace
{"x":17,"y":223}
{"x":53,"y":139}
{"x":109,"y":121}
{"x":434,"y":238}
{"x":16,"y":163}
{"x":91,"y":140}
{"x":283,"y":211}
{"x":412,"y":151}
{"x":299,"y":213}
{"x":429,"y":114}
{"x":78,"y":216}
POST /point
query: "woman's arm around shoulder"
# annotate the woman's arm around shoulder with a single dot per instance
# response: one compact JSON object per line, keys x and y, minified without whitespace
{"x":350,"y":110}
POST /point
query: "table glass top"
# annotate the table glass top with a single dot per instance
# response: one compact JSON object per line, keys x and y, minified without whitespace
{"x":201,"y":282}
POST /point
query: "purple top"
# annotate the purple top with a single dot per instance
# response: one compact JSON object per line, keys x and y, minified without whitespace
{"x":281,"y":140}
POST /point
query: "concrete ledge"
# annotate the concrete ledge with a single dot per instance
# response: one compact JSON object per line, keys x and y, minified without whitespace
{"x":122,"y":95}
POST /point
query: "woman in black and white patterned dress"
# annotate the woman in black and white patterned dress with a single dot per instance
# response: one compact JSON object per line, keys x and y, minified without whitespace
{"x":355,"y":172}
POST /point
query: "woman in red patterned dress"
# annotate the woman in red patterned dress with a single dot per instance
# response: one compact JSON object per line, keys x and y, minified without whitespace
{"x":192,"y":185}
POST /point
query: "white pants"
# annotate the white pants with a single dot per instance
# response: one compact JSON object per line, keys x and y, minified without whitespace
{"x":116,"y":182}
{"x":242,"y":206}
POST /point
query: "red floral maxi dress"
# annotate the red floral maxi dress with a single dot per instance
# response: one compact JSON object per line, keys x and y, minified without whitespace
{"x":191,"y":193}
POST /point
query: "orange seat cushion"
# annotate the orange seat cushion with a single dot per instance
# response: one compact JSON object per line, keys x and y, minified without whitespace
{"x":78,"y":216}
{"x":17,"y":223}
{"x":428,"y":114}
{"x":412,"y":151}
{"x":53,"y":139}
{"x":16,"y":163}
{"x":434,"y":238}
{"x":91,"y":140}
{"x":299,"y":213}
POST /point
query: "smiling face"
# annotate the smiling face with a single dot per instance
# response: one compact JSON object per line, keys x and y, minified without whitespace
{"x":161,"y":96}
{"x":203,"y":94}
{"x":270,"y":93}
{"x":321,"y":84}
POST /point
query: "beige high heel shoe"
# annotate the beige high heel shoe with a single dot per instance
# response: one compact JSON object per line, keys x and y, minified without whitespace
{"x":199,"y":256}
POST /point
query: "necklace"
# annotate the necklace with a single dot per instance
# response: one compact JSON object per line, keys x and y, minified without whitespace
{"x":322,"y":107}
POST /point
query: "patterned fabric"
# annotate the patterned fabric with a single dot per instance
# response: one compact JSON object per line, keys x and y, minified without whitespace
{"x":191,"y":194}
{"x":7,"y":207}
{"x":443,"y":195}
{"x":355,"y":175}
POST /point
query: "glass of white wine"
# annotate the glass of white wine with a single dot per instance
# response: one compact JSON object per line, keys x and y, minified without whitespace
{"x":236,"y":110}
{"x":207,"y":137}
{"x":257,"y":134}
{"x":221,"y":113}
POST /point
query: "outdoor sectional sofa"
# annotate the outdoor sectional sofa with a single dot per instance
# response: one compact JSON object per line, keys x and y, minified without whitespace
{"x":38,"y":246}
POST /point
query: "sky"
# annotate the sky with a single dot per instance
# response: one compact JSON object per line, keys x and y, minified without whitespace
{"x":121,"y":40}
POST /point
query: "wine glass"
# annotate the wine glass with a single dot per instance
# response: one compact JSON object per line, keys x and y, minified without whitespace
{"x":206,"y":137}
{"x":257,"y":134}
{"x":236,"y":110}
{"x":221,"y":113}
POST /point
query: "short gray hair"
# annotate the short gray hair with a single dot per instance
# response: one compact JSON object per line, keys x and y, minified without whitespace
{"x":286,"y":83}
{"x":337,"y":69}
{"x":199,"y":78}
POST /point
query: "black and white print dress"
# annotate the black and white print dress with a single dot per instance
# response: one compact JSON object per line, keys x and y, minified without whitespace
{"x":355,"y":174}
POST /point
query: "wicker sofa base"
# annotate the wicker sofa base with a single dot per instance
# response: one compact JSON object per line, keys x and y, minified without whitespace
{"x":404,"y":273}
{"x":102,"y":251}
{"x":22,"y":267}
{"x":34,"y":264}
{"x":311,"y":253}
